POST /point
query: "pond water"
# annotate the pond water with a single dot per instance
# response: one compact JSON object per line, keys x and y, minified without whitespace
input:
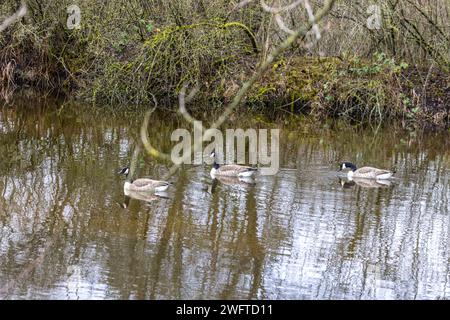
{"x":68,"y":232}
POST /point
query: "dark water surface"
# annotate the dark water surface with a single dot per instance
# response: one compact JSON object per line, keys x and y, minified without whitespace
{"x":302,"y":234}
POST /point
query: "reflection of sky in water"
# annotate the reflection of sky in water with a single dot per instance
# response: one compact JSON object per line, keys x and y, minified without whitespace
{"x":297,"y":235}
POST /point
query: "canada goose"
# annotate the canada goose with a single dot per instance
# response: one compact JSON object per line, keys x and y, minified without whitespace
{"x":143,"y":184}
{"x":230,"y":170}
{"x":365,"y":172}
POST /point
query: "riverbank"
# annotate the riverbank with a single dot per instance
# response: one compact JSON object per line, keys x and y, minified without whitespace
{"x":129,"y":61}
{"x":359,"y":91}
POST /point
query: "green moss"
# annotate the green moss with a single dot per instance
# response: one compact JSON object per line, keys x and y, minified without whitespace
{"x":366,"y":90}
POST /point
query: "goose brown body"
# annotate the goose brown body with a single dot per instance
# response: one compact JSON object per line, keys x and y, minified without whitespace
{"x":366,"y":172}
{"x":234,"y":170}
{"x":142,"y":184}
{"x":231,"y":170}
{"x":372,"y":173}
{"x":146,"y":185}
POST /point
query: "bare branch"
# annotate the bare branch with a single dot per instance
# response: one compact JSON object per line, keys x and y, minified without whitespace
{"x":311,"y":44}
{"x":280,"y":9}
{"x":312,"y":19}
{"x":182,"y":101}
{"x":144,"y":136}
{"x":282,"y":25}
{"x":16,"y":16}
{"x":270,"y":59}
{"x":280,"y":21}
{"x":239,"y":6}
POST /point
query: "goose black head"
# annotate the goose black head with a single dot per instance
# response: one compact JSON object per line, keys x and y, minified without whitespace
{"x":347,"y":165}
{"x":216,"y":165}
{"x":125,"y":171}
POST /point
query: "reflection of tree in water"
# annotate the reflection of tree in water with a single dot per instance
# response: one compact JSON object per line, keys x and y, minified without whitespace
{"x":296,"y":235}
{"x":47,"y":187}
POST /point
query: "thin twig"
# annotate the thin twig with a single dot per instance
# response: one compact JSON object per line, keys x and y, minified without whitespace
{"x":312,"y":19}
{"x":279,"y":9}
{"x":281,"y":24}
{"x":144,"y":135}
{"x":182,"y":103}
{"x":16,"y":16}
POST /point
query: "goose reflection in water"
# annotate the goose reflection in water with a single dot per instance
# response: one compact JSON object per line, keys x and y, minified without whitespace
{"x":141,"y":196}
{"x":365,"y":183}
{"x":231,"y":181}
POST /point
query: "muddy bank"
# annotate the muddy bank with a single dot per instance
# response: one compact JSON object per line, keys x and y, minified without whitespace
{"x":360,"y":91}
